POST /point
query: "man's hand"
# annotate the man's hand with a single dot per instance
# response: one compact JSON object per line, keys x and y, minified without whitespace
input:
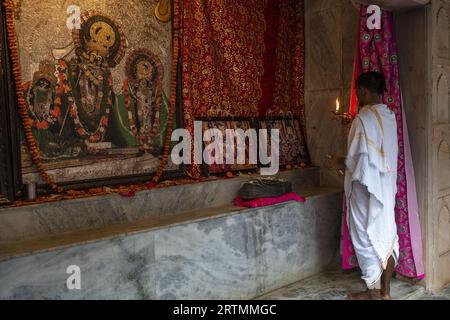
{"x":336,"y":162}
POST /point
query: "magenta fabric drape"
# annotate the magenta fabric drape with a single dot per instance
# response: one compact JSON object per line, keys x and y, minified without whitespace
{"x":377,"y":51}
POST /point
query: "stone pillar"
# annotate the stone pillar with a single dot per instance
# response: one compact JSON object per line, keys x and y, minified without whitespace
{"x":424,"y":53}
{"x":439,"y":213}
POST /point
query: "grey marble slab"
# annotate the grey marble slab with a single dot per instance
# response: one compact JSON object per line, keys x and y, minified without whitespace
{"x":115,"y":269}
{"x":323,"y":49}
{"x":331,"y":34}
{"x":326,"y":135}
{"x":95,"y":212}
{"x":238,"y":256}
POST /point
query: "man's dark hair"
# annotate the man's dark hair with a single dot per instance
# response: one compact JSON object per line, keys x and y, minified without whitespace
{"x":372,"y":81}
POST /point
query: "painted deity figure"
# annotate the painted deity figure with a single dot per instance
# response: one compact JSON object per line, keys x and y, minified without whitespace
{"x":243,"y":145}
{"x":274,"y":125}
{"x":222,"y":126}
{"x":43,"y":107}
{"x":137,"y":110}
{"x":100,"y":46}
{"x":41,"y":95}
{"x":73,"y":98}
{"x":291,"y":148}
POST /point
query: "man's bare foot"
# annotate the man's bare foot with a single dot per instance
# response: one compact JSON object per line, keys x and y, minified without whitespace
{"x":386,"y":279}
{"x":385,"y":296}
{"x":368,"y":295}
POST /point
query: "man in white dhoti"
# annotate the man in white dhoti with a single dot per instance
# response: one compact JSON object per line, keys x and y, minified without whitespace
{"x":371,"y":188}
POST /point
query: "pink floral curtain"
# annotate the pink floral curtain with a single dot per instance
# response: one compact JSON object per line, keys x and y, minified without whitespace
{"x":377,"y":51}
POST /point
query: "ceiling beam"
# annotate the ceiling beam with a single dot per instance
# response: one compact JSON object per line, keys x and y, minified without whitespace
{"x":394,"y":5}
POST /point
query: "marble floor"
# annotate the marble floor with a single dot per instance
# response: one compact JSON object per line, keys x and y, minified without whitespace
{"x":443,"y":295}
{"x":334,"y":285}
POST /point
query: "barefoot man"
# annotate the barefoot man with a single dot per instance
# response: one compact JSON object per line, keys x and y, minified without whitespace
{"x":371,"y":187}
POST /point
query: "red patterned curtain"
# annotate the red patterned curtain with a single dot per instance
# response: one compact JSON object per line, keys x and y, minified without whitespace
{"x":283,"y":80}
{"x":243,"y":59}
{"x":223,"y":49}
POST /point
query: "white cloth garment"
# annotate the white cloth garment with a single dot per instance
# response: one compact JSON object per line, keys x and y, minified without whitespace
{"x":370,"y":188}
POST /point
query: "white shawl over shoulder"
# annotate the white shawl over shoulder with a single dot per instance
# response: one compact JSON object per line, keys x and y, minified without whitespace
{"x":372,"y":161}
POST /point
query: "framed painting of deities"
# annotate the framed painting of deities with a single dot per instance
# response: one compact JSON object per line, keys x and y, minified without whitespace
{"x":223,"y":125}
{"x":97,"y":80}
{"x":293,"y":148}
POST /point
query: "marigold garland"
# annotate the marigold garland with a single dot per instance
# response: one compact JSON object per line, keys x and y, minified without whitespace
{"x":173,"y":94}
{"x":27,"y":122}
{"x":48,"y":120}
{"x":99,"y":133}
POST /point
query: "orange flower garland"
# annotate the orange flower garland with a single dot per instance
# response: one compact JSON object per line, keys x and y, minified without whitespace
{"x":147,"y":142}
{"x":55,"y":111}
{"x":173,"y":93}
{"x":27,"y":122}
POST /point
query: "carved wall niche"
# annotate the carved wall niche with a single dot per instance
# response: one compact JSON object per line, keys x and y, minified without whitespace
{"x":444,"y":231}
{"x":443,"y":37}
{"x":444,"y":166}
{"x":442,"y":112}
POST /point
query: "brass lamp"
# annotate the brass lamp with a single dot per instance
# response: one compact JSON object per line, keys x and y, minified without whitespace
{"x":346,"y":118}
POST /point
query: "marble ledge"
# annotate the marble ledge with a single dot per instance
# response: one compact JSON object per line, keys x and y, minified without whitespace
{"x":306,"y":178}
{"x":19,"y":223}
{"x":13,"y":249}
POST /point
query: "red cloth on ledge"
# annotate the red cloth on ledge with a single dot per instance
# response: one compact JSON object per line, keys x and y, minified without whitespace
{"x":265,"y":202}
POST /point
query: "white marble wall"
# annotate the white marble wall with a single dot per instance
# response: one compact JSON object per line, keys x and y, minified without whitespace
{"x":331,"y":32}
{"x":239,"y":256}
